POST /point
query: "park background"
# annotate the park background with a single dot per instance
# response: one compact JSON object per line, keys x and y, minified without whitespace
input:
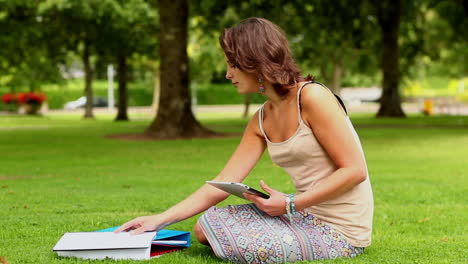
{"x":179,"y":120}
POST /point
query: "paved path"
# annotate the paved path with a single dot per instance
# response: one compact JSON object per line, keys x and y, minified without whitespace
{"x":461,"y":109}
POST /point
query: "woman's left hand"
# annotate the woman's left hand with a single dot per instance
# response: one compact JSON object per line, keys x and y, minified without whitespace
{"x":273,"y":206}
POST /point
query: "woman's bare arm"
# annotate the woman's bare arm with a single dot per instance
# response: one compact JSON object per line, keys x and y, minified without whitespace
{"x":242,"y":161}
{"x":328,"y":122}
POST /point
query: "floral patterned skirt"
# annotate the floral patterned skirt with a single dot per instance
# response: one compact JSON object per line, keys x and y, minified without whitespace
{"x":245,"y":234}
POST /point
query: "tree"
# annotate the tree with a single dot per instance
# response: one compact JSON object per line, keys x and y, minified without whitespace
{"x":174,"y":117}
{"x":208,"y":18}
{"x":77,"y":24}
{"x":451,"y":36}
{"x":330,"y":38}
{"x":334,"y":38}
{"x":389,"y":14}
{"x":20,"y":65}
{"x":129,"y":31}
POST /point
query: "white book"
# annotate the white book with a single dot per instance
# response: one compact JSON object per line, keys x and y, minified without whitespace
{"x":100,"y":245}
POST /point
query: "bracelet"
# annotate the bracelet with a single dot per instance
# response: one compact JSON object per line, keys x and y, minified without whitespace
{"x":288,"y":207}
{"x":293,"y":204}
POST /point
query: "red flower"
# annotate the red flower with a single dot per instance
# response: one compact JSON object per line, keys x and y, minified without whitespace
{"x":9,"y":98}
{"x":31,"y":98}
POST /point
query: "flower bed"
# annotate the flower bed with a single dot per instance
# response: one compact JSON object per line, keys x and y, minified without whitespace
{"x":28,"y":103}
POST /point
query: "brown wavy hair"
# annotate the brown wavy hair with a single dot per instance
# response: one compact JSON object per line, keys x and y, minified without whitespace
{"x":260,"y":47}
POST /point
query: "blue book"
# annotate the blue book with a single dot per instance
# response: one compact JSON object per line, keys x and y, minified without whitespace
{"x":165,"y":240}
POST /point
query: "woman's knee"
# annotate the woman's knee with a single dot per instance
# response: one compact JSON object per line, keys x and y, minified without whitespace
{"x":200,"y":235}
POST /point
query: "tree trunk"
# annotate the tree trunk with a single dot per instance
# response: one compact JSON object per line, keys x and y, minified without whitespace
{"x":324,"y":73}
{"x":337,"y":77}
{"x":100,"y":67}
{"x":389,"y":14}
{"x":174,"y":118}
{"x":88,"y":81}
{"x":123,"y":91}
{"x":247,"y":100}
{"x":157,"y":89}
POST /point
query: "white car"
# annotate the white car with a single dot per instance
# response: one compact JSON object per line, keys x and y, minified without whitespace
{"x":81,"y":102}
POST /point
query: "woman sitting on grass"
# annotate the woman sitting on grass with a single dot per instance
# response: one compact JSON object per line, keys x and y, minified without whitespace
{"x":307,"y":133}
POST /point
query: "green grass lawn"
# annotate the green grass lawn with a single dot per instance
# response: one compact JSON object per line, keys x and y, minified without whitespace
{"x":60,"y":174}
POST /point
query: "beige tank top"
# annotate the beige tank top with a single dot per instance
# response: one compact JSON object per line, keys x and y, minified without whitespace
{"x":304,"y":159}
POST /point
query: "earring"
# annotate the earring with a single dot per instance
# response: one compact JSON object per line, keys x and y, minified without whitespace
{"x":262,"y":87}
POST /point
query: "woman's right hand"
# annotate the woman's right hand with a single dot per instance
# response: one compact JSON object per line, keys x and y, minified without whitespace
{"x":142,"y":224}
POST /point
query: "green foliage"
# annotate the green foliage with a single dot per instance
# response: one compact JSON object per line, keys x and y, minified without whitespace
{"x":42,"y":35}
{"x":141,"y":93}
{"x":131,"y":29}
{"x":206,"y":57}
{"x":75,"y":179}
{"x":318,"y":42}
{"x":435,"y":86}
{"x":212,"y":94}
{"x":433,"y":40}
{"x":24,"y":56}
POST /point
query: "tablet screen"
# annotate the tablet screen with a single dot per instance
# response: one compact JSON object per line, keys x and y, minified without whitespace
{"x":237,"y":189}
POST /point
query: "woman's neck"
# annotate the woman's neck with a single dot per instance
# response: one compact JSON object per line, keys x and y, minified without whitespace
{"x":276,"y":100}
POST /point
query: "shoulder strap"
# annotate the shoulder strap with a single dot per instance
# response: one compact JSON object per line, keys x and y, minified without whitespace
{"x":299,"y":117}
{"x":299,"y":101}
{"x":260,"y":119}
{"x":341,"y":103}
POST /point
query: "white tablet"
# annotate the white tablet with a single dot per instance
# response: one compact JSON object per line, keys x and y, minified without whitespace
{"x":237,"y":189}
